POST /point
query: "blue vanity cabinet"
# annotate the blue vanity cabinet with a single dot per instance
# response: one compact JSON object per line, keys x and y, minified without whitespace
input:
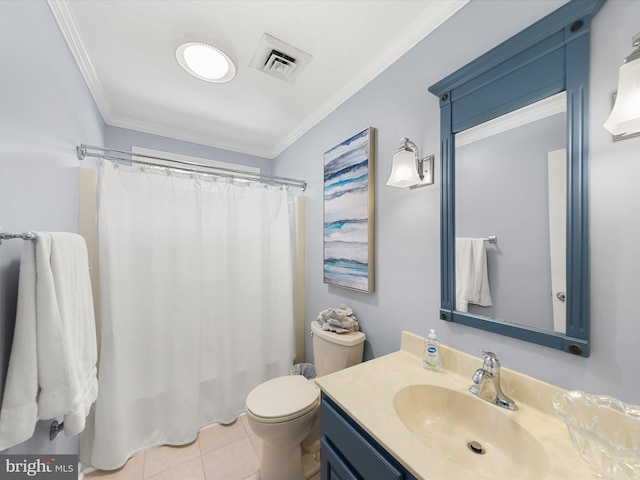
{"x":349,"y":453}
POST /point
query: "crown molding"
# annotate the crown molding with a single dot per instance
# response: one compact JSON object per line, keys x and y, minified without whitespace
{"x":415,"y":32}
{"x":68,"y":26}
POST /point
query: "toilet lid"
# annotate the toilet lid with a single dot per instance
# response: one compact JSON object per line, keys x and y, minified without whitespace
{"x":283,"y":398}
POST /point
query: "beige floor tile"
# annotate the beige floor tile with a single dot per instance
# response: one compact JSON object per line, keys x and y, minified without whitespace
{"x":255,"y":440}
{"x":191,"y":470}
{"x":163,"y":458}
{"x":132,"y":470}
{"x":256,"y":476}
{"x":221,"y":453}
{"x":218,"y":436}
{"x":233,"y":462}
{"x":256,"y":443}
{"x":245,"y":422}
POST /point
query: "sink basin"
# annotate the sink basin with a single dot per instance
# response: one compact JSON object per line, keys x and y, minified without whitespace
{"x":475,"y":435}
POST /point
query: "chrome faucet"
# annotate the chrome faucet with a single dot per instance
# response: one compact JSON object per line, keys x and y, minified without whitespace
{"x":487,"y":383}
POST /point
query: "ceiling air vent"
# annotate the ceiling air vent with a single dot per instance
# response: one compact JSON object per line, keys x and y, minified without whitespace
{"x":279,"y":59}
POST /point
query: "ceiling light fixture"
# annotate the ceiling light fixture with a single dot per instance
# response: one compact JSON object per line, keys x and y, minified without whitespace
{"x":206,"y":62}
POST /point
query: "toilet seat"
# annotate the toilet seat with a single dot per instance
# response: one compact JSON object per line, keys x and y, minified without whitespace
{"x":282,"y":399}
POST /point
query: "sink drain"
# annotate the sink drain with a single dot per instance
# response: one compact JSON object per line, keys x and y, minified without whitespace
{"x":476,"y":447}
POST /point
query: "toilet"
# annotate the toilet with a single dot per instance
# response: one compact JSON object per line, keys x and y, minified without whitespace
{"x":284,"y":411}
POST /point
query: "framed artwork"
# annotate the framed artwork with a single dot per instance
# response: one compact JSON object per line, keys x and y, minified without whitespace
{"x":349,"y":179}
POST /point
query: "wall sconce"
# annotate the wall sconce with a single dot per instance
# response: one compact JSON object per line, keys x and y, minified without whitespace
{"x":408,"y":169}
{"x":624,"y":121}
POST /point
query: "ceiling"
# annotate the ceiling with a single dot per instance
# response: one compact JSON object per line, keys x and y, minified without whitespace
{"x":126,"y":53}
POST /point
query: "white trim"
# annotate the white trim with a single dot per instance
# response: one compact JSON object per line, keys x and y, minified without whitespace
{"x":415,"y":31}
{"x":418,"y":29}
{"x":67,"y":24}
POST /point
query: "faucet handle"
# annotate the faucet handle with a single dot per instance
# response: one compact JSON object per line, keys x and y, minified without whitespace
{"x":478,"y":376}
{"x":490,"y":360}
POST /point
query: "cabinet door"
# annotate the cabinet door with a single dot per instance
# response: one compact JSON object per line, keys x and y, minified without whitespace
{"x":332,"y":466}
{"x":363,"y":454}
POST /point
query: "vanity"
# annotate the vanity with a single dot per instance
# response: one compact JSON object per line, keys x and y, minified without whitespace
{"x":389,"y":418}
{"x":349,"y":452}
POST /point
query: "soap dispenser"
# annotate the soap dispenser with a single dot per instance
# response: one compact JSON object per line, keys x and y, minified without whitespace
{"x":431,"y":359}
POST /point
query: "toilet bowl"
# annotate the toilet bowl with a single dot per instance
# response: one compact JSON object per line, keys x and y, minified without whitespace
{"x":284,"y":411}
{"x":281,"y":412}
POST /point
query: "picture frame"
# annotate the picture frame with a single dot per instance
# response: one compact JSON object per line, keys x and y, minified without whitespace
{"x":348,"y":199}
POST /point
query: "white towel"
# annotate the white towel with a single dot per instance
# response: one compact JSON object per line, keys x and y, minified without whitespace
{"x":339,"y":320}
{"x":472,"y":278}
{"x":19,"y":412}
{"x":52,"y":367}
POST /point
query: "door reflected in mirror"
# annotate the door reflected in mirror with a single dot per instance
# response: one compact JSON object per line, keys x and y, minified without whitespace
{"x":511,"y":183}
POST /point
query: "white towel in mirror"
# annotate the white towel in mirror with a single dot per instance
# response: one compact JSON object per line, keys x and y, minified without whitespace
{"x":472,"y":277}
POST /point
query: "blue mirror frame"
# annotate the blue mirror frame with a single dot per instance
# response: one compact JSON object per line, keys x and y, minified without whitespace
{"x":548,"y":57}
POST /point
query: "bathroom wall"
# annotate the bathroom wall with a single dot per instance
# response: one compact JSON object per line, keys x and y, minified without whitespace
{"x":502,"y":189}
{"x":407,"y":294}
{"x":46,"y":110}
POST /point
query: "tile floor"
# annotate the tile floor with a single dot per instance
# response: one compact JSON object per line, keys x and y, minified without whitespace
{"x":219,"y":453}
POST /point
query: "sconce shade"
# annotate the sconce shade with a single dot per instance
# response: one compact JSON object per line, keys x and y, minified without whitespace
{"x":404,"y":170}
{"x":625,"y":116}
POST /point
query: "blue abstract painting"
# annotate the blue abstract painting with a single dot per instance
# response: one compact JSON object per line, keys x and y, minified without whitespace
{"x":348,"y":213}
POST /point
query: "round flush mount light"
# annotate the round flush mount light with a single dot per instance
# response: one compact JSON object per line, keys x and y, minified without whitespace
{"x":205,"y":62}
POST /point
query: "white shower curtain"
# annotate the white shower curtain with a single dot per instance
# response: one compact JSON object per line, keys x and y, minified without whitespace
{"x":196,"y":285}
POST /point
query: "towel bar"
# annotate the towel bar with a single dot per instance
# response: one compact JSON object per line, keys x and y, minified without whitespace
{"x":23,"y":236}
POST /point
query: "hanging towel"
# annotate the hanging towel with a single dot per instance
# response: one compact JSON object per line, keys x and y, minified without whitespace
{"x":52,"y":367}
{"x":472,"y":278}
{"x":339,"y":320}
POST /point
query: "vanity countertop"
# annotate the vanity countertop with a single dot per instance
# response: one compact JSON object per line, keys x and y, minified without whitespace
{"x":366,"y":392}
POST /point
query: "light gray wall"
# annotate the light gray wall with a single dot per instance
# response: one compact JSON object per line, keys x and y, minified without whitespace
{"x":407,"y":295}
{"x":45,"y":111}
{"x":502,"y":190}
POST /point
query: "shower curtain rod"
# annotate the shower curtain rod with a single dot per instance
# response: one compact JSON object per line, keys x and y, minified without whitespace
{"x":84,"y":150}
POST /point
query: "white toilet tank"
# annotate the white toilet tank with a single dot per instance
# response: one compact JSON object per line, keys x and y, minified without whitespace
{"x":335,"y":351}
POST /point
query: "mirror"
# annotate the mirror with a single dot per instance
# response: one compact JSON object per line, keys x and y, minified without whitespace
{"x":533,"y":196}
{"x":510,"y":186}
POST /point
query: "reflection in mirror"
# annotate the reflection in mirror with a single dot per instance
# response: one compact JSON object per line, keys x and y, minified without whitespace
{"x":510,"y":183}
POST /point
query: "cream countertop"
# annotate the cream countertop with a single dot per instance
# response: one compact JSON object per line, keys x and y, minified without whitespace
{"x":366,"y":392}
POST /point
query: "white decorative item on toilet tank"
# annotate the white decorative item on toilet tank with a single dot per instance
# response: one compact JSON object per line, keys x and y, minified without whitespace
{"x":284,"y":411}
